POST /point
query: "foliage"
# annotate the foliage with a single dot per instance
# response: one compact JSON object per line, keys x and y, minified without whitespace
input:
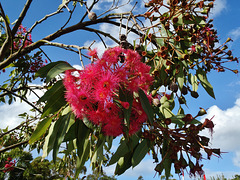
{"x":222,"y":177}
{"x":80,"y":115}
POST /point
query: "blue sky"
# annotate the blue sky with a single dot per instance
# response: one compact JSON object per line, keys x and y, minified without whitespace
{"x":225,"y":108}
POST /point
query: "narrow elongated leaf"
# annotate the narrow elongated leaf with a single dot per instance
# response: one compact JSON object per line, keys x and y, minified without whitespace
{"x":40,"y":130}
{"x":52,"y":92}
{"x":71,"y":133}
{"x":123,"y":164}
{"x":193,"y":81}
{"x":98,"y":152}
{"x":126,"y":96}
{"x":60,"y":128}
{"x":83,"y":147}
{"x":180,"y":78}
{"x":51,"y":70}
{"x":146,"y":106}
{"x":55,"y":99}
{"x":82,"y":133}
{"x":47,"y":144}
{"x":167,"y":165}
{"x":82,"y":159}
{"x":140,"y":152}
{"x":202,"y":77}
{"x":124,"y":148}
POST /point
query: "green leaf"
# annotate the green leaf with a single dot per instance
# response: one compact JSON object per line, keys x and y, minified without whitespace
{"x":7,"y":18}
{"x":47,"y":147}
{"x":59,"y":132}
{"x":71,"y":133}
{"x":146,"y":106}
{"x":166,"y":112}
{"x":126,"y":96}
{"x":140,"y":152}
{"x":98,"y":151}
{"x":123,"y":164}
{"x":54,"y":97}
{"x":159,"y":168}
{"x":193,"y":81}
{"x":124,"y":147}
{"x":51,"y":70}
{"x":167,"y":163}
{"x":83,"y":149}
{"x":202,"y":77}
{"x":40,"y":130}
{"x":180,"y":78}
{"x":83,"y":157}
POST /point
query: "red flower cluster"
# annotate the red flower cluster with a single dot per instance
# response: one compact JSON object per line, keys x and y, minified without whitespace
{"x":19,"y":39}
{"x":94,"y":92}
{"x":9,"y":165}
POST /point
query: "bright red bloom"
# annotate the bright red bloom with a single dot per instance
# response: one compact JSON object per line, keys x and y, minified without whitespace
{"x":193,"y":48}
{"x":93,"y":53}
{"x":94,"y":92}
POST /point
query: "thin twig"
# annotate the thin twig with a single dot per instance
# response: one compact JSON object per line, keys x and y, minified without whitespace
{"x":70,"y":16}
{"x":64,"y":45}
{"x":22,"y":98}
{"x":17,"y":127}
{"x":101,"y":40}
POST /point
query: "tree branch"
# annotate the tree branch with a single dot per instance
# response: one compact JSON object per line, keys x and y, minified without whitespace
{"x":8,"y":40}
{"x":13,"y":146}
{"x":25,"y":100}
{"x":78,"y":26}
{"x":21,"y":16}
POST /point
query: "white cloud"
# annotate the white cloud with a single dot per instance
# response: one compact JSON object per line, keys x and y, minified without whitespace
{"x":219,"y":6}
{"x":227,"y":129}
{"x":9,"y":113}
{"x":235,"y":34}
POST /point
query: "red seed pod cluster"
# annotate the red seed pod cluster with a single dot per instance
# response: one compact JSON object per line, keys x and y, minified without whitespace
{"x":95,"y":92}
{"x":184,"y":140}
{"x":183,"y":25}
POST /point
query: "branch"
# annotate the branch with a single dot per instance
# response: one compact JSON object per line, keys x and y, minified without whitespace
{"x":21,"y":16}
{"x":8,"y":40}
{"x":101,"y":32}
{"x":13,"y":146}
{"x":17,"y":127}
{"x":59,"y":33}
{"x":25,"y":100}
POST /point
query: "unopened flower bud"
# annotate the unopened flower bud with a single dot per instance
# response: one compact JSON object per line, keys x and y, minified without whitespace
{"x":92,"y":16}
{"x":156,"y":102}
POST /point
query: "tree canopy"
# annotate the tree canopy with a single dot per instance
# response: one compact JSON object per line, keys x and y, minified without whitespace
{"x":137,"y":88}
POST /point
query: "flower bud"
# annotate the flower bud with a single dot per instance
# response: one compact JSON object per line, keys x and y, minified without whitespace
{"x":92,"y":16}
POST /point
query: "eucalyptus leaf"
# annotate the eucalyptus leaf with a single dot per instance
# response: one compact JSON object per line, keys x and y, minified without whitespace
{"x":146,"y":106}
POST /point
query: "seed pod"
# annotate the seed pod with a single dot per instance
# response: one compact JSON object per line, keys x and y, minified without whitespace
{"x":187,"y":118}
{"x":92,"y":16}
{"x":175,"y":20}
{"x":194,"y":94}
{"x":167,"y":121}
{"x":202,"y":112}
{"x":123,"y":37}
{"x":184,"y":90}
{"x":173,"y":87}
{"x":156,"y":102}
